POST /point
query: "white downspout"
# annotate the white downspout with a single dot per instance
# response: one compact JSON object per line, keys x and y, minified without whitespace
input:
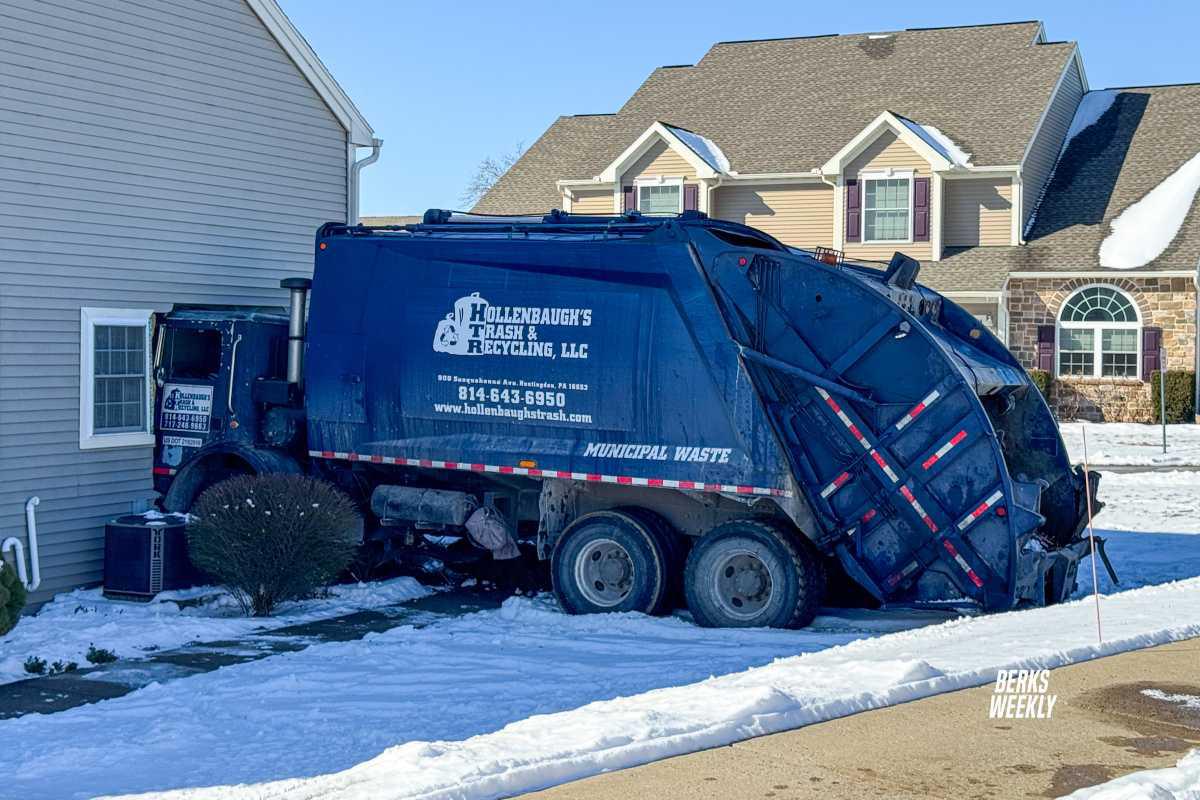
{"x":355,"y":168}
{"x":14,"y":544}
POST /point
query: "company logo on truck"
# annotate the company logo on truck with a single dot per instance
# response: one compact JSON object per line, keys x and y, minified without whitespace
{"x":476,"y":328}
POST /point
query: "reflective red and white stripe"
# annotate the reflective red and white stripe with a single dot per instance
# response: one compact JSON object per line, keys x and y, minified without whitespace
{"x":532,"y":472}
{"x":962,"y":562}
{"x":916,"y":410}
{"x":896,"y":577}
{"x":921,"y":512}
{"x":883,"y":465}
{"x":979,"y":511}
{"x":838,"y":483}
{"x":946,"y":448}
{"x":849,"y":423}
{"x":867,"y":517}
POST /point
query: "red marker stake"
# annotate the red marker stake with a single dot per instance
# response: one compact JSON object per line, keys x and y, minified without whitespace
{"x":1087,"y":488}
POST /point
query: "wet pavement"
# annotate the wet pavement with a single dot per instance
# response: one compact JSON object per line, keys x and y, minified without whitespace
{"x":53,"y":693}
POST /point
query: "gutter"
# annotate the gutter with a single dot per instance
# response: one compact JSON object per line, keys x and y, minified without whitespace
{"x":356,"y":167}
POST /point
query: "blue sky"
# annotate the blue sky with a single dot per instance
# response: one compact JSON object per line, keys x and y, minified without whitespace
{"x":447,"y":84}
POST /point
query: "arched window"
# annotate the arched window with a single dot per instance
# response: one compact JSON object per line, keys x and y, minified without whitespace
{"x":1099,"y":334}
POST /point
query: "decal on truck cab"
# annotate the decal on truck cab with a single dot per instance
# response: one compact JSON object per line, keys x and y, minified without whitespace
{"x":186,"y":408}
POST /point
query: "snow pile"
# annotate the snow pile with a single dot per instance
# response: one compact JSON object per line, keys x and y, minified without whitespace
{"x":1181,"y":782}
{"x":939,"y":142}
{"x":64,"y":628}
{"x":1185,"y":700}
{"x":480,"y":759}
{"x":1145,"y":229}
{"x":1132,"y":444}
{"x":704,"y":147}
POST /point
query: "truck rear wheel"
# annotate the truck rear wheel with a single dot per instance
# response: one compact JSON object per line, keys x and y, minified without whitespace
{"x":749,"y":574}
{"x":610,"y":561}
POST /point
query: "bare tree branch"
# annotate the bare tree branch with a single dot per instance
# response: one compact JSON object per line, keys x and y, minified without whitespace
{"x":490,"y":170}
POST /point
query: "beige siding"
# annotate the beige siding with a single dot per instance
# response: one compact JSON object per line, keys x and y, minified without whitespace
{"x":1043,"y":153}
{"x":797,"y":214}
{"x":889,"y":151}
{"x":592,"y":201}
{"x":978,"y":212}
{"x":659,"y":160}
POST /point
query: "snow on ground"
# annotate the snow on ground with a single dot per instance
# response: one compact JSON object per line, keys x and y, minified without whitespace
{"x":1132,"y":444}
{"x":1180,"y":782}
{"x":1151,"y":502}
{"x":506,"y":701}
{"x":64,"y":628}
{"x":1146,"y":228}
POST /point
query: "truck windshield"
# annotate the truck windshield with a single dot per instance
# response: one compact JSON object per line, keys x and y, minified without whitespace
{"x":190,"y":353}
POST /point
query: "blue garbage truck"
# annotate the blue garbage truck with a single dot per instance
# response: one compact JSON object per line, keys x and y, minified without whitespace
{"x":664,"y":407}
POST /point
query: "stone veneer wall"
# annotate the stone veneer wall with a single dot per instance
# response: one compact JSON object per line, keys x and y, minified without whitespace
{"x":1168,"y":303}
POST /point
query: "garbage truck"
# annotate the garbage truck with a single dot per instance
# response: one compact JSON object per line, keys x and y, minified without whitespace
{"x":664,"y":407}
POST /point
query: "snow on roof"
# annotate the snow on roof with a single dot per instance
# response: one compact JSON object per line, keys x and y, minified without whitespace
{"x":939,"y":141}
{"x":1089,"y":111}
{"x":1145,"y":229}
{"x":702,"y":146}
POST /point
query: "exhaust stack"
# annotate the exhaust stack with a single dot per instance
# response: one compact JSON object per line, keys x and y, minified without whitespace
{"x":297,"y":316}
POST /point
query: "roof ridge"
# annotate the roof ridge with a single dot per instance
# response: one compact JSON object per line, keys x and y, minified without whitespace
{"x":977,"y":25}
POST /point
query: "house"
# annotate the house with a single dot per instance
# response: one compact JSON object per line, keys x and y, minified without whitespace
{"x":946,"y":144}
{"x":154,"y":153}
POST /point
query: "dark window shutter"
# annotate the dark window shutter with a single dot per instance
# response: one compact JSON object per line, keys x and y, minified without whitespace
{"x":630,"y":198}
{"x":691,"y":197}
{"x":1045,"y":348}
{"x":853,"y":211}
{"x":1151,"y":342}
{"x":920,"y":209}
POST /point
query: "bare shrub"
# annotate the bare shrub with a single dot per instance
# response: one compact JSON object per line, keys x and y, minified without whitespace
{"x":272,"y":538}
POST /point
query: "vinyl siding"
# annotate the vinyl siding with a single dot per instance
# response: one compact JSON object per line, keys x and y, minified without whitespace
{"x":889,"y":151}
{"x":154,"y":152}
{"x":592,"y":201}
{"x":1043,"y":152}
{"x":978,"y":212}
{"x":799,"y":214}
{"x":659,"y":160}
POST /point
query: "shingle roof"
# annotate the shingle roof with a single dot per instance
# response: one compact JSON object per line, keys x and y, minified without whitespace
{"x":787,"y":105}
{"x":1144,"y":137}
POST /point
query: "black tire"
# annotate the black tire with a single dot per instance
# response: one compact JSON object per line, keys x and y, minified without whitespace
{"x":610,"y":561}
{"x":674,"y":546}
{"x":752,"y":574}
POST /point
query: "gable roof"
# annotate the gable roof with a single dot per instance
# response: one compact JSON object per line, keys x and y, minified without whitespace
{"x":316,"y":73}
{"x":1138,"y":142}
{"x":705,"y":157}
{"x":788,"y":105}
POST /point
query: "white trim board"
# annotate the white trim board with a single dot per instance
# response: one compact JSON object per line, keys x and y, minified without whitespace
{"x":306,"y":60}
{"x":1109,"y":274}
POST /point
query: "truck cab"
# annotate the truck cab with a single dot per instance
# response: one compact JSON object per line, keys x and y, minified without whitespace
{"x":215,"y":371}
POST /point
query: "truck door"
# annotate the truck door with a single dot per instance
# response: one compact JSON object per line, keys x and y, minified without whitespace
{"x":190,"y":380}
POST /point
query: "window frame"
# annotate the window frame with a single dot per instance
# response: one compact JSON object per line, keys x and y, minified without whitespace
{"x":863,"y":180}
{"x":1097,"y":329}
{"x":89,"y":319}
{"x":641,"y":183}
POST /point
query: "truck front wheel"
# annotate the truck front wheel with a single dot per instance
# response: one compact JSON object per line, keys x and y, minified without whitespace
{"x":749,"y":574}
{"x":610,"y":561}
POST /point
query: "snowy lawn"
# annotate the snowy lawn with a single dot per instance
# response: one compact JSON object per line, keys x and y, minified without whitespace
{"x":64,"y":628}
{"x":1132,"y":444}
{"x":1180,"y":782}
{"x":501,"y":701}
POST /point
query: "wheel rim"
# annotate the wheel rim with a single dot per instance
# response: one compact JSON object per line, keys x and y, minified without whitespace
{"x":742,"y":584}
{"x":604,"y":572}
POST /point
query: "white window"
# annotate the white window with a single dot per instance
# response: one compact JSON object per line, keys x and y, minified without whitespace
{"x":1099,"y":335}
{"x":665,"y":197}
{"x":114,"y":377}
{"x":887,"y":210}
